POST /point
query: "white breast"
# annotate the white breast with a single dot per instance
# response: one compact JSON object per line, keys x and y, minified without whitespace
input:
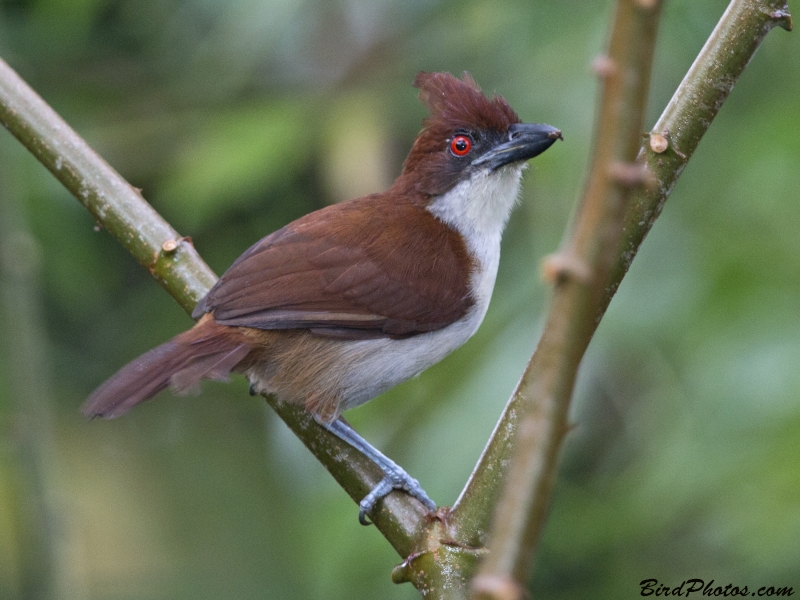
{"x":346,"y":374}
{"x":478,"y":209}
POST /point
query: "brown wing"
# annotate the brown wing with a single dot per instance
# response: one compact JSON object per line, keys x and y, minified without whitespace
{"x":348,"y":271}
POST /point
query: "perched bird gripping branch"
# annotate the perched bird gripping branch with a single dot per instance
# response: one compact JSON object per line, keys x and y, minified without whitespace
{"x":353,"y":299}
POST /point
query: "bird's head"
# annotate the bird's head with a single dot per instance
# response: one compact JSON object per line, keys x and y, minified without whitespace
{"x":467,"y":134}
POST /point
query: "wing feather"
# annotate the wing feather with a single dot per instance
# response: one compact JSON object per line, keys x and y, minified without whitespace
{"x":346,"y":271}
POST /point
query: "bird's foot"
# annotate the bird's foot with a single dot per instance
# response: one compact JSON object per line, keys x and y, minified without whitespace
{"x":394,"y":477}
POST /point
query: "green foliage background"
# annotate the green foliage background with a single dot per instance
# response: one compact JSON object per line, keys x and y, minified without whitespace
{"x":237,"y":116}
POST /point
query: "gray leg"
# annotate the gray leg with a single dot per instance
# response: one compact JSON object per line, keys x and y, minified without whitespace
{"x":395,"y":478}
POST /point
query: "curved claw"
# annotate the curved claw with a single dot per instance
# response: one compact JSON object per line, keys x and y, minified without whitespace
{"x":395,"y":479}
{"x":369,"y":501}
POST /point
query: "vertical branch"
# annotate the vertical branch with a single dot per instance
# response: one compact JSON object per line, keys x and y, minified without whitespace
{"x":534,"y":421}
{"x":580,"y":272}
{"x":26,"y":420}
{"x":690,"y":112}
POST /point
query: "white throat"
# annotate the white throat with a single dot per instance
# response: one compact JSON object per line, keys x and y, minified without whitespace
{"x":358,"y":370}
{"x":481,"y":205}
{"x":478,"y":209}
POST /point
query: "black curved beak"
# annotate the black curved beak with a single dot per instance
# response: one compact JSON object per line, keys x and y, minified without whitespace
{"x":525,"y":140}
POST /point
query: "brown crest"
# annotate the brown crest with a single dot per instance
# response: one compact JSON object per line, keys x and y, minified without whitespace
{"x":455,"y":105}
{"x":459,"y":103}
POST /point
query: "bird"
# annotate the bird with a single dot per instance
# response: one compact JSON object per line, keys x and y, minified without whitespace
{"x":353,"y":299}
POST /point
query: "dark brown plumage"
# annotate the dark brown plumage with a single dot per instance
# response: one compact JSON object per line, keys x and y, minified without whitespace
{"x":325,"y":312}
{"x":455,"y":105}
{"x":343,"y":271}
{"x":206,"y":351}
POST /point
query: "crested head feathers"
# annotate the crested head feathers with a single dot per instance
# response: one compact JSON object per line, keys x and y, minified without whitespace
{"x":455,"y":106}
{"x":459,"y":103}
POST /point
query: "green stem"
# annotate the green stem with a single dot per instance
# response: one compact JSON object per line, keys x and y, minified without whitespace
{"x":442,"y":553}
{"x":115,"y":204}
{"x":727,"y":52}
{"x":690,"y":112}
{"x":581,"y":272}
{"x":120,"y":208}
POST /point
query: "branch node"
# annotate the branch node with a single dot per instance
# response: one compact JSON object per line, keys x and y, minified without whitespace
{"x":661,"y":142}
{"x":559,"y":267}
{"x":658,"y":143}
{"x":647,"y":4}
{"x":496,"y":587}
{"x":627,"y":174}
{"x":170,"y":246}
{"x":604,"y":66}
{"x":668,"y":137}
{"x":783,"y":18}
{"x":402,"y":573}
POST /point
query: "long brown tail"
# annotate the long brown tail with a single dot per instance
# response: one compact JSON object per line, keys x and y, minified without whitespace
{"x":207,"y":351}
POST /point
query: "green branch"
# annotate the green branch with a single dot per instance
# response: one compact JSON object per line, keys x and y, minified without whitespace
{"x":532,"y":427}
{"x":442,"y":554}
{"x":676,"y":134}
{"x":580,"y":272}
{"x":114,"y":203}
{"x":173,"y":261}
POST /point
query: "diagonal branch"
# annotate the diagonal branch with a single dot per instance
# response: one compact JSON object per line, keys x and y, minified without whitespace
{"x":532,"y":428}
{"x":173,"y":261}
{"x":114,"y":203}
{"x":580,"y":272}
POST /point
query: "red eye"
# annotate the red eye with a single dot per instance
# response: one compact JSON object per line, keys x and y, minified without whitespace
{"x":461,"y":145}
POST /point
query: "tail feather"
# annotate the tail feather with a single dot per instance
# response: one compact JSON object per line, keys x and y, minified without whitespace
{"x":215,"y":366}
{"x":207,"y":351}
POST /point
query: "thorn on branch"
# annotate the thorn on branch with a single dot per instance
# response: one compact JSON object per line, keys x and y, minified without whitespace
{"x":658,"y":143}
{"x":402,"y":573}
{"x":628,"y":174}
{"x":494,"y":587}
{"x":668,"y":138}
{"x":562,"y":266}
{"x":170,"y":246}
{"x":455,"y":544}
{"x":604,"y":66}
{"x":783,"y":18}
{"x":647,"y":4}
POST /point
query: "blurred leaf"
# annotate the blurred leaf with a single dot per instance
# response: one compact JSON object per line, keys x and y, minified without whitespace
{"x":233,"y":157}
